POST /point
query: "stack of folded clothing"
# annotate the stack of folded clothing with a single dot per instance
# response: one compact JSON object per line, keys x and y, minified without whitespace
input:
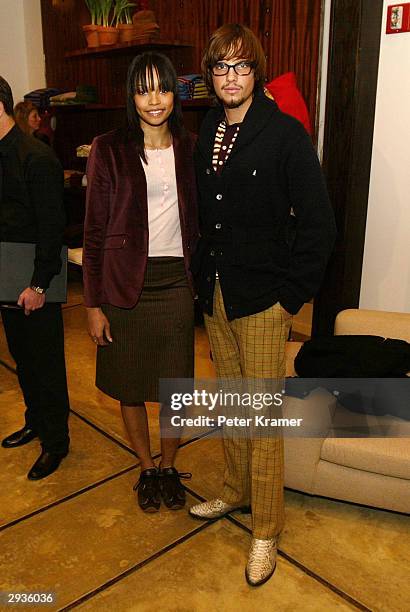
{"x":85,"y":94}
{"x":184,"y":88}
{"x":200,"y":90}
{"x":41,"y":97}
{"x":191,"y":87}
{"x":67,"y":97}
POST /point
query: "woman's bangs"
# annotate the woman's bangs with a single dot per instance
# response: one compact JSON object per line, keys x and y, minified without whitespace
{"x":145,"y":78}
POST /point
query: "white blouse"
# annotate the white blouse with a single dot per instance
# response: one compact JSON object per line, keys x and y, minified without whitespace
{"x":163,"y":213}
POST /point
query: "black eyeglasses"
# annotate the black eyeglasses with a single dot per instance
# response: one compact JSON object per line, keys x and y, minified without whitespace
{"x":241,"y":68}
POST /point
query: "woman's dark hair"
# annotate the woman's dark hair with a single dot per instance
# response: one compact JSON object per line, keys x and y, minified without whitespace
{"x":22,"y":112}
{"x":140,"y":76}
{"x":234,"y":40}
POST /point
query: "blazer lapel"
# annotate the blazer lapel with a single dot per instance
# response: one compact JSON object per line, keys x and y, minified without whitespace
{"x":181,"y":178}
{"x":141,"y":188}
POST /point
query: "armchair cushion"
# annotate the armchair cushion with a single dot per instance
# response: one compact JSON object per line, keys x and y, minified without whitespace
{"x":387,"y":456}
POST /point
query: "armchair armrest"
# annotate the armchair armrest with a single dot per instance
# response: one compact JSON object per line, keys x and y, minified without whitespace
{"x":302,"y":454}
{"x":303,"y":448}
{"x":373,"y":322}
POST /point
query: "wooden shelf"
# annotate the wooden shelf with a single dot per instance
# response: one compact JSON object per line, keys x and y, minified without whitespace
{"x":143,"y":44}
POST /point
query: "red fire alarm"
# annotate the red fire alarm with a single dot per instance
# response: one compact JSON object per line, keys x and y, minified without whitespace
{"x":398,"y":18}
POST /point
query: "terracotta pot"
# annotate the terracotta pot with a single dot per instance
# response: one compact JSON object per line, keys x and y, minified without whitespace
{"x":91,"y":35}
{"x":127,"y":32}
{"x":108,"y":35}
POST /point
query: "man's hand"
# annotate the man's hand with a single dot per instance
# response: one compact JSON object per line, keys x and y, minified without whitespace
{"x":98,"y":326}
{"x":30,"y":300}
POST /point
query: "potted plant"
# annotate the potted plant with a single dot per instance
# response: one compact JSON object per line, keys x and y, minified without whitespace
{"x":91,"y":30}
{"x":122,"y":12}
{"x":108,"y":34}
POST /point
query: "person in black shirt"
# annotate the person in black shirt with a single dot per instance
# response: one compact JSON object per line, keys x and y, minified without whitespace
{"x":31,"y":211}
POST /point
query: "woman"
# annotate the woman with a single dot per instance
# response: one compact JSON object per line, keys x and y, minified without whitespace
{"x":140,"y":230}
{"x":28,"y":119}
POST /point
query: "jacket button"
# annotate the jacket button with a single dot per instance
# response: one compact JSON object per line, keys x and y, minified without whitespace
{"x":212,"y":253}
{"x":218,"y":226}
{"x":208,"y":171}
{"x":219,"y":196}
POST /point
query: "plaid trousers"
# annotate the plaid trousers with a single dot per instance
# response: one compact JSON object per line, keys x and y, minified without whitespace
{"x":252,"y":347}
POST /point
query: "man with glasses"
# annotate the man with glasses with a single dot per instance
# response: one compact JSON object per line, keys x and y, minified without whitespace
{"x":258,"y":175}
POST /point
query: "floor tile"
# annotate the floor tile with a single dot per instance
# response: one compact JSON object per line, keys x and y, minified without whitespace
{"x":77,"y":546}
{"x":362,"y":551}
{"x":204,"y":458}
{"x":206,"y":573}
{"x":8,"y":381}
{"x":92,"y":458}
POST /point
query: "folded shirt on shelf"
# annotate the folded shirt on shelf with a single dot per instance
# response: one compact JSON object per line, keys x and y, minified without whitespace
{"x":191,"y":86}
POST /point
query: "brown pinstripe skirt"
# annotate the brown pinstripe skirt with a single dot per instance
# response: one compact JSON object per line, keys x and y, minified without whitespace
{"x":153,"y":340}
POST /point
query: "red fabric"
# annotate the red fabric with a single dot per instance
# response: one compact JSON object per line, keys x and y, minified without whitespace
{"x":287,"y":96}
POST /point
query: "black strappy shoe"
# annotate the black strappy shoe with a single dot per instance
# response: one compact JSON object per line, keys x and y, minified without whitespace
{"x":172,"y":491}
{"x":149,"y":498}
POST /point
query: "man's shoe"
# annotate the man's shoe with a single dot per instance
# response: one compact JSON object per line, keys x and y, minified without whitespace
{"x":149,"y":498}
{"x":214,"y":509}
{"x":172,"y":491}
{"x":45,"y":465}
{"x":261,"y":561}
{"x":19,"y":438}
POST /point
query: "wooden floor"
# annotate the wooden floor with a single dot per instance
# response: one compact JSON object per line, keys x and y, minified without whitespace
{"x":80,"y":535}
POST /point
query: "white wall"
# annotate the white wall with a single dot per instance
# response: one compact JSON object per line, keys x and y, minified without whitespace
{"x":326,"y":8}
{"x":36,"y":76}
{"x":21,"y":46}
{"x":386,"y":264}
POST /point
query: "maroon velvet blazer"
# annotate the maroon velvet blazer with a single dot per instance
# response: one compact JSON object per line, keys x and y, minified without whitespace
{"x":116,"y":224}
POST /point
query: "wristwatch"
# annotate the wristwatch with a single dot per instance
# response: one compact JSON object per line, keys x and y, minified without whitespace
{"x":39,"y":290}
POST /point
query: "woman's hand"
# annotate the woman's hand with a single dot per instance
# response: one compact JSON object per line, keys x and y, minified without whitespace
{"x":98,"y":326}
